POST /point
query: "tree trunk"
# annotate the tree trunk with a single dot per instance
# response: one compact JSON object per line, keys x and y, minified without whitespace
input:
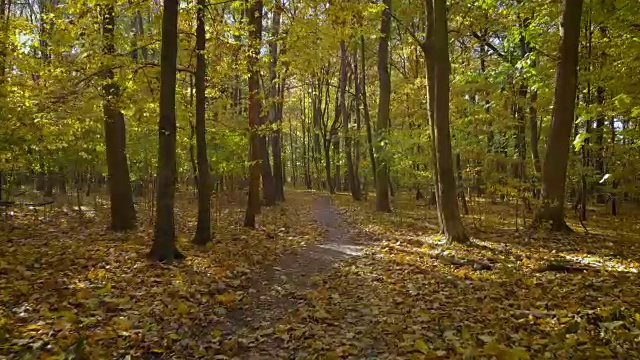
{"x":268,"y":184}
{"x":463,"y":198}
{"x":254,"y":16}
{"x":382,"y":124}
{"x":354,"y":187}
{"x":203,"y":229}
{"x":164,"y":242}
{"x":326,"y":144}
{"x":427,"y":49}
{"x":453,"y":228}
{"x":356,"y":143}
{"x":293,"y":142}
{"x":275,"y":111}
{"x":365,"y":110}
{"x":123,"y":214}
{"x":554,"y":171}
{"x":533,"y":127}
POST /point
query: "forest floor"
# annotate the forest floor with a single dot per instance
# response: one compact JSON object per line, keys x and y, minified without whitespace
{"x":321,"y":278}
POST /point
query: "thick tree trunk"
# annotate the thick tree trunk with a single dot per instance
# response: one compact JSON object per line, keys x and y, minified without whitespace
{"x":453,"y":228}
{"x":164,"y":242}
{"x":365,"y":110}
{"x":382,"y":128}
{"x":203,"y":229}
{"x":554,"y":171}
{"x":354,"y":187}
{"x":254,"y":15}
{"x":123,"y":215}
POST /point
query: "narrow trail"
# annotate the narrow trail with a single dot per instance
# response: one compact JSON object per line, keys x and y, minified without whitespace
{"x":277,"y":290}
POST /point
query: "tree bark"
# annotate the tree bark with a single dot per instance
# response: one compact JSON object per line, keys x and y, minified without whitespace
{"x":382,"y":124}
{"x":453,"y":228}
{"x":164,"y":242}
{"x":203,"y":229}
{"x":365,"y":110}
{"x":254,"y":16}
{"x":123,"y":214}
{"x":354,"y":187}
{"x":554,"y":171}
{"x":427,"y":49}
{"x":275,"y":112}
{"x":533,"y":127}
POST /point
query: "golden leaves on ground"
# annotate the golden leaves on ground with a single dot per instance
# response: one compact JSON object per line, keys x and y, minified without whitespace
{"x":68,"y":288}
{"x":414,"y":296}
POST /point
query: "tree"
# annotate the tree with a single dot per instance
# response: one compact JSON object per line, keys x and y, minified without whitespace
{"x":203,"y":229}
{"x":164,"y":242}
{"x":382,"y":162}
{"x":254,"y":17}
{"x":123,"y":215}
{"x":365,"y":110}
{"x":354,"y":185}
{"x":448,"y":203}
{"x":554,"y":170}
{"x":275,"y":111}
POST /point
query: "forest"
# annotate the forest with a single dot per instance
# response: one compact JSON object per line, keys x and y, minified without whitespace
{"x":319,"y":179}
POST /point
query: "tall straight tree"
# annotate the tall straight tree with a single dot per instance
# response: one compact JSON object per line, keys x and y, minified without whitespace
{"x":254,"y":17}
{"x":203,"y":229}
{"x":123,"y":214}
{"x":354,"y":185}
{"x":448,"y":202}
{"x":382,"y":177}
{"x":554,"y":168}
{"x":275,"y":111}
{"x":164,"y":242}
{"x":427,"y":48}
{"x":365,"y":111}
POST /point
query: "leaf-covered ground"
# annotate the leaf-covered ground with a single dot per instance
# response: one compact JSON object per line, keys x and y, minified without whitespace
{"x":69,"y":288}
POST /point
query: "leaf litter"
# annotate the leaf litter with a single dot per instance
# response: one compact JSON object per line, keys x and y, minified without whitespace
{"x":72,"y":290}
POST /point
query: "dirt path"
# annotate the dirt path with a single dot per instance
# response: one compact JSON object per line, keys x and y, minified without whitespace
{"x":277,"y":291}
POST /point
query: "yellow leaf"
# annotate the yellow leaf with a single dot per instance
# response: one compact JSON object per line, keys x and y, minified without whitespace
{"x":421,"y":346}
{"x":226,"y":298}
{"x":492,"y":348}
{"x":182,"y":308}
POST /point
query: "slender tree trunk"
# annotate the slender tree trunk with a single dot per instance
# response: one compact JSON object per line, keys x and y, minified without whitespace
{"x":123,"y":214}
{"x":554,"y":171}
{"x":268,"y":183}
{"x":453,"y":228}
{"x":356,"y":100}
{"x":164,"y":242}
{"x":614,"y":203}
{"x":382,"y":128}
{"x":365,"y":110}
{"x":326,"y":144}
{"x":254,"y":15}
{"x":293,"y":158}
{"x":275,"y":111}
{"x":354,"y":188}
{"x":203,"y":229}
{"x":463,"y":198}
{"x":427,"y":49}
{"x":533,"y":131}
